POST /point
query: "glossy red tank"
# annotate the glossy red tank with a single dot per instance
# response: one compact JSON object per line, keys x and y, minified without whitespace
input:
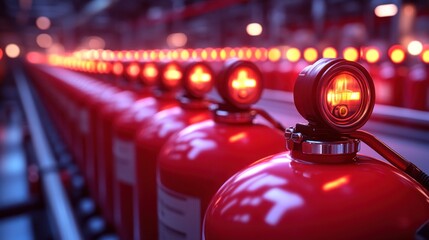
{"x":195,"y":162}
{"x":126,"y":126}
{"x":321,"y":188}
{"x":198,"y":79}
{"x":119,"y":102}
{"x":283,"y":197}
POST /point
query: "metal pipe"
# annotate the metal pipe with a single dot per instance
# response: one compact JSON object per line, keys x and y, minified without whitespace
{"x":57,"y":202}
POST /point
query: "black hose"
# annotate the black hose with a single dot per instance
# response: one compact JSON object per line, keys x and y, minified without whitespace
{"x":270,"y":119}
{"x":393,"y":157}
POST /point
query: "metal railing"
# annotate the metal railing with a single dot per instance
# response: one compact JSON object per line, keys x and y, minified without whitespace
{"x":65,"y":225}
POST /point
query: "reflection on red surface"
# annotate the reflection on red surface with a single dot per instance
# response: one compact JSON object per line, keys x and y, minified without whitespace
{"x":335,"y":183}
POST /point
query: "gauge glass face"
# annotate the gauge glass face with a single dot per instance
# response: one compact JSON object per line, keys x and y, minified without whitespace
{"x":150,"y":73}
{"x":200,"y":79}
{"x":172,"y":75}
{"x":117,"y":68}
{"x":244,"y":85}
{"x":133,"y":70}
{"x":343,"y":98}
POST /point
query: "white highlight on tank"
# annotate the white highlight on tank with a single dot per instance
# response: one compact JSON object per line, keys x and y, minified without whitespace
{"x":283,"y":202}
{"x":200,"y":145}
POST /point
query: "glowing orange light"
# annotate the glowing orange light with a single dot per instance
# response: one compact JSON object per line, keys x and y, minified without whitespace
{"x":343,"y":96}
{"x":248,"y":53}
{"x":119,"y":55}
{"x":293,"y":54}
{"x":117,"y":68}
{"x":162,"y":55}
{"x":174,"y":55}
{"x":336,"y":183}
{"x":274,"y":54}
{"x":172,"y":75}
{"x":372,"y":55}
{"x":136,"y":55}
{"x":200,"y":77}
{"x":351,"y":54}
{"x":258,"y":54}
{"x":204,"y":54}
{"x":223,"y":54}
{"x":169,"y":53}
{"x":232,"y":53}
{"x":184,"y":55}
{"x":237,"y":137}
{"x":244,"y":83}
{"x":153,"y":55}
{"x":101,"y":67}
{"x":145,"y":55}
{"x":150,"y":71}
{"x":397,"y":54}
{"x":90,"y":66}
{"x":240,"y":53}
{"x":1,"y":54}
{"x":330,"y":52}
{"x":425,"y":56}
{"x":133,"y":70}
{"x":213,"y":54}
{"x":310,"y":54}
{"x":263,"y":52}
{"x":129,"y":55}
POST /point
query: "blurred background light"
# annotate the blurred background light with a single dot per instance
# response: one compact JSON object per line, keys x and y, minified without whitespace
{"x":44,"y":40}
{"x":95,"y":42}
{"x":386,"y":10}
{"x":177,"y":40}
{"x":329,"y":52}
{"x":254,"y":29}
{"x":12,"y":50}
{"x":43,"y":23}
{"x":415,"y":47}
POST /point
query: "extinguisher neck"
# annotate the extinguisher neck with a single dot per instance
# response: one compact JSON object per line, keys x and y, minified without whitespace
{"x":226,"y":114}
{"x":163,"y":94}
{"x":320,"y":148}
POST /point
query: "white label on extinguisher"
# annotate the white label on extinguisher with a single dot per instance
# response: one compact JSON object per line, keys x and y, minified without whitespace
{"x":178,"y":215}
{"x":84,"y":121}
{"x":124,"y":155}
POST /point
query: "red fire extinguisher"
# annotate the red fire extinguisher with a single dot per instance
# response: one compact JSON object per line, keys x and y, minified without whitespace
{"x":120,"y":102}
{"x":389,"y":78}
{"x":194,"y":163}
{"x":198,"y":80}
{"x":125,"y":128}
{"x":321,"y":188}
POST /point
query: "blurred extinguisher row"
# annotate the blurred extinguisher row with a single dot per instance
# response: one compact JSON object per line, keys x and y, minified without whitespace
{"x":163,"y":161}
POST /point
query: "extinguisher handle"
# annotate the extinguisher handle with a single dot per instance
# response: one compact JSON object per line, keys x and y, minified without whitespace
{"x":270,"y":119}
{"x":393,"y":157}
